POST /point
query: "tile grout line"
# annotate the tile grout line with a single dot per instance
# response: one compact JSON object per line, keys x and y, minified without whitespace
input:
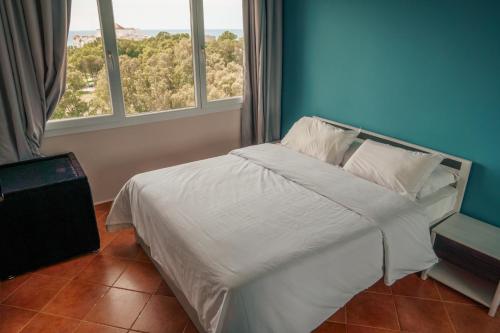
{"x":376,"y":292}
{"x":59,"y":315}
{"x":19,"y":308}
{"x":29,"y":321}
{"x":81,"y":320}
{"x":142,"y":310}
{"x":94,"y":283}
{"x":452,"y":324}
{"x":109,"y":287}
{"x":122,"y":272}
{"x":345,"y":317}
{"x":93,"y":306}
{"x":118,"y":278}
{"x":84,"y":320}
{"x":55,"y":295}
{"x":439,"y":293}
{"x":128,"y":263}
{"x":439,"y":300}
{"x":15,"y":289}
{"x":465,"y":304}
{"x":397,"y":312}
{"x":125,"y":258}
{"x":140,"y":291}
{"x":345,"y":306}
{"x":79,"y":325}
{"x":375,"y":327}
{"x":150,"y":295}
{"x":445,"y":309}
{"x":420,"y":298}
{"x":40,"y":311}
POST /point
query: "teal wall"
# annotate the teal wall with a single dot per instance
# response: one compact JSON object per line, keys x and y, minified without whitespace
{"x":424,"y":71}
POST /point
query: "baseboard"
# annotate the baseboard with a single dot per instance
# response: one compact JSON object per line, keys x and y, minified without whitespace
{"x":96,"y":203}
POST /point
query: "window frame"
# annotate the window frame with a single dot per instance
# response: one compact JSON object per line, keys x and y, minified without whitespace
{"x":119,"y":117}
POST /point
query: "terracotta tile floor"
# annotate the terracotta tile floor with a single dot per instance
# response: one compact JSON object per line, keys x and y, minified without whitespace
{"x":118,"y":290}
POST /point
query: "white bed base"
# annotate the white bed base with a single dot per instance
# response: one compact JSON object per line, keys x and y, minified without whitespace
{"x":460,"y":165}
{"x":179,"y":295}
{"x":463,"y":167}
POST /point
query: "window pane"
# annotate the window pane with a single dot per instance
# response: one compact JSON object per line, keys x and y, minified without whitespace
{"x":224,"y":48}
{"x":87,"y":89}
{"x":155,"y":51}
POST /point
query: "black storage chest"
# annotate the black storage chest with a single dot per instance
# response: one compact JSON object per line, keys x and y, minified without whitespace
{"x":46,"y":213}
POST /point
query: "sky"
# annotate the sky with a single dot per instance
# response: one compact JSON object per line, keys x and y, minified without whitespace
{"x":158,"y":14}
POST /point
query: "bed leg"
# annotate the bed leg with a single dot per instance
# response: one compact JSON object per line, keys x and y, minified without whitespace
{"x":495,"y":302}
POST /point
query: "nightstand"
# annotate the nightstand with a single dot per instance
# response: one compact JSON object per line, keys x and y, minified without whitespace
{"x":469,"y":253}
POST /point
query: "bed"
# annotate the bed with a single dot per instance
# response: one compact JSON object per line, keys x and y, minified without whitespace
{"x":265,"y":239}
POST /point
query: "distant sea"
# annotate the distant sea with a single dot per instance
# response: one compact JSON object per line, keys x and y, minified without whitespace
{"x":152,"y":33}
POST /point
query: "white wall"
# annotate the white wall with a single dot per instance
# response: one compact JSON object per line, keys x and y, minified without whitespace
{"x":110,"y":157}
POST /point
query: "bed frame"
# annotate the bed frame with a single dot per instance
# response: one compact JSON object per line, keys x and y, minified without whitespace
{"x":460,"y":165}
{"x":179,"y":295}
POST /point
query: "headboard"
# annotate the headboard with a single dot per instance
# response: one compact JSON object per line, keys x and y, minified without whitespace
{"x":463,"y":166}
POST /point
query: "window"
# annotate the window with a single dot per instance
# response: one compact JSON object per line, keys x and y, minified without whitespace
{"x":155,"y":53}
{"x":135,"y":61}
{"x":87,"y":89}
{"x":223,"y":48}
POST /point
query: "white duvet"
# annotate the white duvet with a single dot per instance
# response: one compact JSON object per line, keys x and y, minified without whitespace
{"x":265,"y":239}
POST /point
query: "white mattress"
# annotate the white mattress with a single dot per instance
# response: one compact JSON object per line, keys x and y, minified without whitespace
{"x":439,"y":203}
{"x":259,"y":245}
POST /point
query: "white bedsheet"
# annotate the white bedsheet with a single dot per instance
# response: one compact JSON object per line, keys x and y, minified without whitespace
{"x":265,"y":239}
{"x":440,"y":203}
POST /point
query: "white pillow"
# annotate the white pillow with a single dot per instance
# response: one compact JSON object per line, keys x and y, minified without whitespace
{"x":318,"y":139}
{"x":439,"y":178}
{"x":350,"y":151}
{"x":397,"y":169}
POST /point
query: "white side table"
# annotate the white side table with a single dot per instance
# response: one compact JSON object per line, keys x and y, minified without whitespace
{"x":469,"y":252}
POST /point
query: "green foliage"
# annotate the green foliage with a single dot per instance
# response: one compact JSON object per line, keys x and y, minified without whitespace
{"x":130,"y":48}
{"x":224,"y":58}
{"x":228,"y":35}
{"x":156,"y":74}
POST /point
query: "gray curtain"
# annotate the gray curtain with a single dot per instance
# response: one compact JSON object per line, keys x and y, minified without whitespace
{"x":33,"y":35}
{"x":261,"y":114}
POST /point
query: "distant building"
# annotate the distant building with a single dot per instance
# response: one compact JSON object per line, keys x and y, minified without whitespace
{"x":79,"y":41}
{"x":126,"y":33}
{"x":120,"y":31}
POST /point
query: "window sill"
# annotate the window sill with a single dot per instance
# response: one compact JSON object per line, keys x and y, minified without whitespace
{"x":81,"y":125}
